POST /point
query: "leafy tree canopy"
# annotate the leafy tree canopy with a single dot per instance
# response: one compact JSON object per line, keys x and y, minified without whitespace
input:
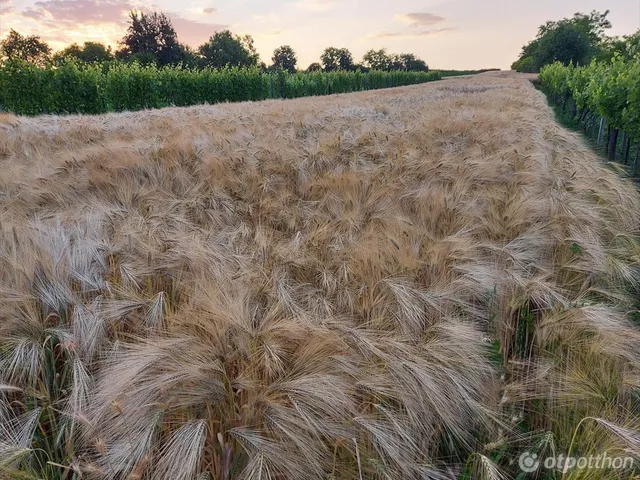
{"x":377,"y":59}
{"x":381,"y":60}
{"x":284,"y":57}
{"x":90,"y":52}
{"x":409,"y":62}
{"x":29,"y":49}
{"x":151,"y":35}
{"x":224,"y":49}
{"x":337,"y":59}
{"x":571,"y":40}
{"x":627,"y":47}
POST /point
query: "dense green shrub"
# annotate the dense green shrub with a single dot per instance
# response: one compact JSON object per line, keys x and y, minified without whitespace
{"x":73,"y":87}
{"x":26,"y":88}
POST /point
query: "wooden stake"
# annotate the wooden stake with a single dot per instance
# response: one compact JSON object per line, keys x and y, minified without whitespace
{"x":626,"y":144}
{"x":613,"y":143}
{"x":601,"y":131}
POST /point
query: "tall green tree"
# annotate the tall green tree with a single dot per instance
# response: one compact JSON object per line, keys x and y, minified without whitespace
{"x":29,"y":49}
{"x":284,"y":57}
{"x":570,"y":40}
{"x":337,"y":59}
{"x":627,"y":47}
{"x":381,"y":60}
{"x":410,"y":63}
{"x":564,"y":44}
{"x":377,"y":59}
{"x":151,"y":36}
{"x":93,"y":52}
{"x":90,"y":52}
{"x":224,"y":49}
{"x":593,"y":26}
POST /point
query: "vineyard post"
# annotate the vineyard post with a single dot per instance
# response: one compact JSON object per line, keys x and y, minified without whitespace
{"x":583,"y":115}
{"x":625,"y":147}
{"x":613,"y":143}
{"x":588,"y":121}
{"x":601,"y":131}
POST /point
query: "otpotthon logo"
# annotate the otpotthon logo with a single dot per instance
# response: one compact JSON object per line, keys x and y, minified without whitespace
{"x":528,"y":462}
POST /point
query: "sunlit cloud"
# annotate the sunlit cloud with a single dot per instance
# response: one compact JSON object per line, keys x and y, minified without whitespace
{"x":421,"y":33}
{"x":419,"y":24}
{"x":420,"y":19}
{"x":210,"y":11}
{"x":66,"y":21}
{"x":70,"y":13}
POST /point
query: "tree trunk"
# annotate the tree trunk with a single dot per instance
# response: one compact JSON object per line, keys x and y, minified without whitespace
{"x":601,"y":131}
{"x":613,"y":143}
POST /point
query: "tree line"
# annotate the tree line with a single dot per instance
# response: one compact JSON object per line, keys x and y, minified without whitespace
{"x":152,"y":40}
{"x":576,"y":40}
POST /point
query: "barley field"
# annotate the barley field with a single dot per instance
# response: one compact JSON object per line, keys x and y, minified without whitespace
{"x":416,"y":283}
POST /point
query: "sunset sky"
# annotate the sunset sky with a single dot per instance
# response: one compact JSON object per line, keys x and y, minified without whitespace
{"x":462,"y":34}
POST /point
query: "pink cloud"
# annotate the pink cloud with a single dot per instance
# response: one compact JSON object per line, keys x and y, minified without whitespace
{"x":6,"y":7}
{"x":61,"y":16}
{"x":74,"y":12}
{"x":422,"y":33}
{"x":421,"y":19}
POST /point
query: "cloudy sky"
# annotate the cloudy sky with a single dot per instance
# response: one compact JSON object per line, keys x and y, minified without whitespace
{"x":463,"y":34}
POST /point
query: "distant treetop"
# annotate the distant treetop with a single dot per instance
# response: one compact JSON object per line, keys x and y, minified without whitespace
{"x":574,"y":40}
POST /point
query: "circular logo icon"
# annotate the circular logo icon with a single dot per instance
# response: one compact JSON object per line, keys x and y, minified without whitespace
{"x":528,"y":462}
